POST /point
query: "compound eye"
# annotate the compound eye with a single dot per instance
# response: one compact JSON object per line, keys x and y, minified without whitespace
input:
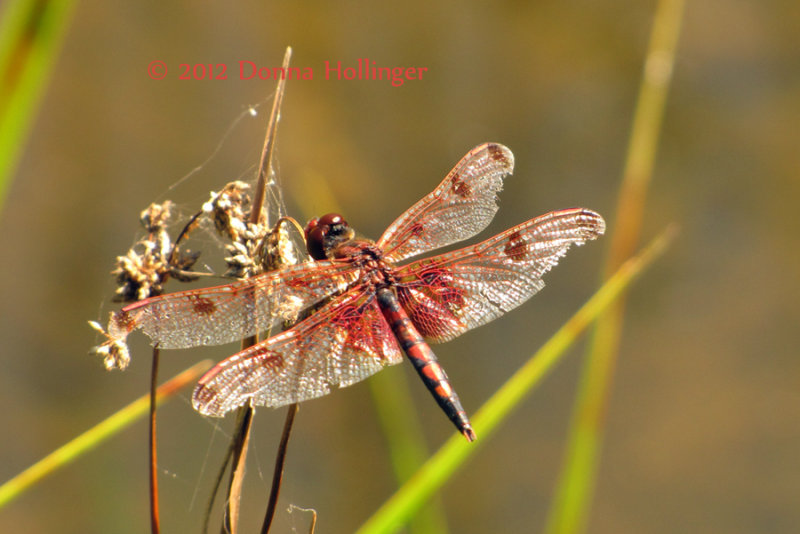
{"x":320,"y":231}
{"x":331,"y":219}
{"x":311,"y":225}
{"x":315,"y":241}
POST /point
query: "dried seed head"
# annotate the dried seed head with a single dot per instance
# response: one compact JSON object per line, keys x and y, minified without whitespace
{"x":142,"y":272}
{"x":279,"y":251}
{"x":229,"y":208}
{"x":155,"y":217}
{"x":113,"y":350}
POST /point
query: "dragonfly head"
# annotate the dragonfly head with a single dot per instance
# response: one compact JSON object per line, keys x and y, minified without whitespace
{"x":325,"y":233}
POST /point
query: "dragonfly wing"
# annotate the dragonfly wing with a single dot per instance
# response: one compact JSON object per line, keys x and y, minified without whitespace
{"x":460,"y":207}
{"x":449,"y":294}
{"x":222,"y":314}
{"x":344,"y":343}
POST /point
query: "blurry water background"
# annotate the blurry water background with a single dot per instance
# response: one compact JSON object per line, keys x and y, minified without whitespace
{"x":703,"y":426}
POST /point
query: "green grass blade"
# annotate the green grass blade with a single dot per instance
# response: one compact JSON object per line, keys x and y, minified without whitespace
{"x":441,"y":466}
{"x":570,"y":510}
{"x":31,"y":32}
{"x":403,"y":430}
{"x":97,"y":434}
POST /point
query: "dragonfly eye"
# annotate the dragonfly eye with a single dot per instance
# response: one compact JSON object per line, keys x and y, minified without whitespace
{"x":323,"y":234}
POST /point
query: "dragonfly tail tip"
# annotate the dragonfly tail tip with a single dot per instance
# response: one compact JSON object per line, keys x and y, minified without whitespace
{"x":469,"y":433}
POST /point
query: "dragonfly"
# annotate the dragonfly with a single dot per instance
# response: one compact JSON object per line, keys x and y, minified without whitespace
{"x":370,"y":308}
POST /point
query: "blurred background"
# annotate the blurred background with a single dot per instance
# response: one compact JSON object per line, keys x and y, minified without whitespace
{"x":702,"y":429}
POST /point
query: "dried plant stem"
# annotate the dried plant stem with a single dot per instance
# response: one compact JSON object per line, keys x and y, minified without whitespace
{"x":182,"y":235}
{"x":277,"y":474}
{"x":241,"y":441}
{"x":217,"y":485}
{"x":239,"y":457}
{"x":313,"y":525}
{"x":265,"y":167}
{"x":155,"y":526}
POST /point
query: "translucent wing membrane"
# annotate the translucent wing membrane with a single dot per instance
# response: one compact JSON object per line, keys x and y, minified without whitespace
{"x":216,"y":315}
{"x":460,"y":207}
{"x":345,"y":342}
{"x":449,"y":294}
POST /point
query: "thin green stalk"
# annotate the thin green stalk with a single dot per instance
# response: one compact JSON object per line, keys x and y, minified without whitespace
{"x":440,"y":467}
{"x":570,"y":510}
{"x":97,"y":434}
{"x":31,"y":32}
{"x":403,"y":430}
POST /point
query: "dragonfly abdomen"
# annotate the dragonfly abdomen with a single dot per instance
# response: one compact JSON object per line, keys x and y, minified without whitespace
{"x":424,"y":361}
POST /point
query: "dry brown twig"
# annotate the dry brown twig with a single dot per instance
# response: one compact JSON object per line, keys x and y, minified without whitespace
{"x":254,"y":248}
